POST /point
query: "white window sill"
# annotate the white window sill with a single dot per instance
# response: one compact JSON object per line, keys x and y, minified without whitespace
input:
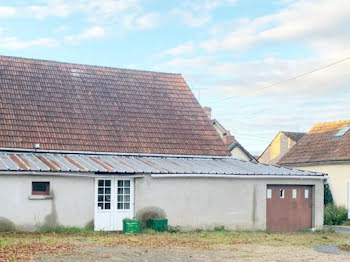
{"x":39,"y":197}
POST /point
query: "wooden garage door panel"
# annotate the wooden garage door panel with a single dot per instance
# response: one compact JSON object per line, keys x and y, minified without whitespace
{"x":288,"y":213}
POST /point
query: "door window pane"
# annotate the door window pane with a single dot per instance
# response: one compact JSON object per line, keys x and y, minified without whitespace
{"x":123,"y":195}
{"x":104,"y":194}
{"x":269,"y":193}
{"x":281,"y":193}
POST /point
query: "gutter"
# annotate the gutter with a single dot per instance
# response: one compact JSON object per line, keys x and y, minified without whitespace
{"x":239,"y":176}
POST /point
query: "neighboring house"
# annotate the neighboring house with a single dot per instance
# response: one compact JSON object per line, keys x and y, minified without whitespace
{"x":326,"y":148}
{"x":233,"y":146}
{"x":82,"y":145}
{"x":279,"y":146}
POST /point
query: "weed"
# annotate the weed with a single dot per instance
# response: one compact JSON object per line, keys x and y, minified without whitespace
{"x":3,"y":242}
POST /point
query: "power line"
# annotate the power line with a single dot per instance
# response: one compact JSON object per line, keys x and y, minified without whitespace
{"x":292,"y":78}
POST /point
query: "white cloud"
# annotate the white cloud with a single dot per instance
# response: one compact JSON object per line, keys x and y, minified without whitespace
{"x":147,"y":21}
{"x":7,"y":11}
{"x":191,"y":18}
{"x":196,"y":13}
{"x":182,"y":49}
{"x":94,"y":32}
{"x":13,"y":43}
{"x":307,"y":21}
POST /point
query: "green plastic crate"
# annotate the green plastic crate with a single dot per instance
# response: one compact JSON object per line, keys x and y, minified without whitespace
{"x":158,"y":224}
{"x":131,"y":226}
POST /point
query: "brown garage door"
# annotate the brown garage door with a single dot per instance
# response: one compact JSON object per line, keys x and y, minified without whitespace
{"x":288,"y":208}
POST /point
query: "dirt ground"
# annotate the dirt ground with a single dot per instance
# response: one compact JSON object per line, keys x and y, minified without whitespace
{"x":182,"y":246}
{"x":241,"y":253}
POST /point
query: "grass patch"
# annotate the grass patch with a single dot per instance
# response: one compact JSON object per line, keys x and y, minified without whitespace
{"x":66,"y":230}
{"x":3,"y":242}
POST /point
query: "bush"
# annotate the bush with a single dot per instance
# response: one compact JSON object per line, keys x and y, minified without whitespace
{"x":328,"y":197}
{"x":335,"y":215}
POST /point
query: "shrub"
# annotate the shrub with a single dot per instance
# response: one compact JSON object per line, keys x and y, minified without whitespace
{"x":174,"y":229}
{"x":335,"y":215}
{"x":328,"y":197}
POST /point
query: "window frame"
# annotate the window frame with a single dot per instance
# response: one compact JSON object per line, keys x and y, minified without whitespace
{"x":123,"y":204}
{"x":41,"y":193}
{"x":104,"y":204}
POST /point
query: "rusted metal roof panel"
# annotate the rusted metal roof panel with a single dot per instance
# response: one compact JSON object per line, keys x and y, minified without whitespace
{"x":130,"y":164}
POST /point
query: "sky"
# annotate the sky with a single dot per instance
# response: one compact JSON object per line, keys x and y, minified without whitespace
{"x":234,"y":54}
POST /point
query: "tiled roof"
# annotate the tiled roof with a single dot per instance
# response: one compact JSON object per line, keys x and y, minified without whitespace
{"x":295,"y":136}
{"x":77,"y":107}
{"x":141,"y":164}
{"x":319,"y":145}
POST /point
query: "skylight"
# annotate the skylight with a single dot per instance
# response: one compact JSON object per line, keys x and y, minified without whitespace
{"x":342,"y":131}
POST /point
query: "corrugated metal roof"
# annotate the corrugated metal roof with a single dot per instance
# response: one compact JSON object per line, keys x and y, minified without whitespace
{"x":129,"y":164}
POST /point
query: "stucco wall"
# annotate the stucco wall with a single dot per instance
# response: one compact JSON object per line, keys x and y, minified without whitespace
{"x":339,"y":177}
{"x":187,"y":202}
{"x":239,"y":154}
{"x":279,"y":146}
{"x":237,"y":204}
{"x":72,"y":202}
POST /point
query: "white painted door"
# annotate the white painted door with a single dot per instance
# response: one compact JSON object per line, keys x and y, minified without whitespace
{"x":125,"y":202}
{"x":114,"y":201}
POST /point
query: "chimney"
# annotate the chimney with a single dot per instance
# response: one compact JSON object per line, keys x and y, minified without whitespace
{"x":207,"y":111}
{"x":228,"y":138}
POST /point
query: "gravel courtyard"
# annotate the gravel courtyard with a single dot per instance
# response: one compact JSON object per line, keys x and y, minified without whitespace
{"x":181,"y":246}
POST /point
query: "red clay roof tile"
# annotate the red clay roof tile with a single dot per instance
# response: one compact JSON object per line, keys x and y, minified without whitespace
{"x":89,"y":108}
{"x":319,"y":145}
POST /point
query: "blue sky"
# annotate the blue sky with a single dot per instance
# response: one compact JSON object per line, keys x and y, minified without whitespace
{"x":228,"y":51}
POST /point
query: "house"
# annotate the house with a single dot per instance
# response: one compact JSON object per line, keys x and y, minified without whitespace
{"x":326,"y":148}
{"x":279,"y":146}
{"x":233,"y":146}
{"x":89,"y":145}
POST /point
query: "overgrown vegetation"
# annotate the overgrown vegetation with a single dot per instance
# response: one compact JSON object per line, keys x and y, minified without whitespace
{"x":335,"y":215}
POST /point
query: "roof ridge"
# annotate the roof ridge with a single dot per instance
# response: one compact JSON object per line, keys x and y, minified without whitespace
{"x":85,"y":65}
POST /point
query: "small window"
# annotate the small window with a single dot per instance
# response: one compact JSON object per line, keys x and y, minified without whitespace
{"x":282,"y":193}
{"x":306,"y":193}
{"x":41,"y":188}
{"x":269,"y":193}
{"x":294,"y":193}
{"x":342,"y":131}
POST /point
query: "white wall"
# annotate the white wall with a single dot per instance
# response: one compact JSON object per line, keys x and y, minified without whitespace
{"x":187,"y":202}
{"x":204,"y":203}
{"x":72,"y":202}
{"x":339,"y":177}
{"x":239,"y":154}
